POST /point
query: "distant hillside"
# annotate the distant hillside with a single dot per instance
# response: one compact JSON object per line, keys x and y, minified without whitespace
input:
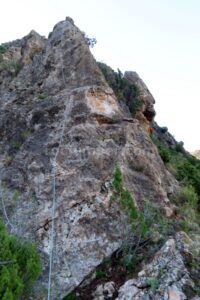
{"x":196,"y":153}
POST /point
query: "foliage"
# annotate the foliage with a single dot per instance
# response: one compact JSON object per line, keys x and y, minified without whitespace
{"x":15,"y":196}
{"x":91,"y":42}
{"x":16,"y":145}
{"x":193,"y":266}
{"x":123,"y":196}
{"x":13,"y":67}
{"x":124,"y":90}
{"x":17,"y":66}
{"x":2,"y":49}
{"x":185,"y":167}
{"x":187,"y":195}
{"x":100,"y":274}
{"x":153,"y":283}
{"x":19,"y":266}
{"x":164,"y":129}
{"x":187,"y":200}
{"x":143,"y":224}
{"x":179,"y":147}
{"x":163,"y":151}
{"x":71,"y":296}
{"x":190,"y":174}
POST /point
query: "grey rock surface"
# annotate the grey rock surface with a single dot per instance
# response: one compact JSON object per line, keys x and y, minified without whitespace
{"x":105,"y":291}
{"x":57,"y":114}
{"x":166,"y":277}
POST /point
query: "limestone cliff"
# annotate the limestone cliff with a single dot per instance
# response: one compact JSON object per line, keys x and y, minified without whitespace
{"x":62,"y":133}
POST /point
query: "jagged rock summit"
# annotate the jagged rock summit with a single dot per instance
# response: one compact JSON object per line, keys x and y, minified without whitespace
{"x":63,"y":130}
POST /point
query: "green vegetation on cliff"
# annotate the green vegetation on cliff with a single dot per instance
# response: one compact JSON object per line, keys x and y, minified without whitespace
{"x":124,"y":90}
{"x":19,"y":266}
{"x":185,"y":167}
{"x":143,"y":226}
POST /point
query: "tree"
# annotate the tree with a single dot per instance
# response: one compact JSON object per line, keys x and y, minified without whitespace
{"x":19,"y":266}
{"x":90,"y":41}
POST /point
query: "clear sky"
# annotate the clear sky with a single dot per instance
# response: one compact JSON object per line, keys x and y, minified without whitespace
{"x":159,"y":39}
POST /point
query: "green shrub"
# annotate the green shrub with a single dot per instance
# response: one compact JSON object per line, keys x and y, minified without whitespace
{"x":2,"y":49}
{"x":164,"y":153}
{"x":164,"y":129}
{"x":189,"y":174}
{"x":188,"y":196}
{"x":187,"y":201}
{"x":162,"y":150}
{"x":123,"y":196}
{"x":153,"y":283}
{"x":42,"y":96}
{"x":15,"y":196}
{"x":16,"y":145}
{"x":100,"y":274}
{"x":71,"y":296}
{"x":179,"y":147}
{"x":19,"y":266}
{"x":13,"y":67}
{"x":17,"y":66}
{"x":185,"y":167}
{"x":142,"y":225}
{"x":25,"y":134}
{"x":124,"y":90}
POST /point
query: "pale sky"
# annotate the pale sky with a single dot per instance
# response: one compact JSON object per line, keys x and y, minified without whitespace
{"x":159,"y":39}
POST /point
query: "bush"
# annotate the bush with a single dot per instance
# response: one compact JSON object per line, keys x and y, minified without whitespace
{"x":164,"y":154}
{"x":13,"y":68}
{"x":71,"y":296}
{"x":124,"y":90}
{"x":163,"y":151}
{"x":2,"y":49}
{"x":187,"y":195}
{"x":187,"y":200}
{"x":164,"y":129}
{"x":91,"y":42}
{"x":17,"y":66}
{"x":100,"y":274}
{"x":179,"y":147}
{"x":142,"y":225}
{"x":123,"y":196}
{"x":185,"y":167}
{"x":19,"y":266}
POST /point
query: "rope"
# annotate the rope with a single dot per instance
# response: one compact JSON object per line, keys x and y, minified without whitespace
{"x":4,"y":210}
{"x":54,"y":170}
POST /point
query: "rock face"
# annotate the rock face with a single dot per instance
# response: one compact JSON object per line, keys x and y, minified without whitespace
{"x":148,"y":101}
{"x":62,"y":132}
{"x":166,"y":277}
